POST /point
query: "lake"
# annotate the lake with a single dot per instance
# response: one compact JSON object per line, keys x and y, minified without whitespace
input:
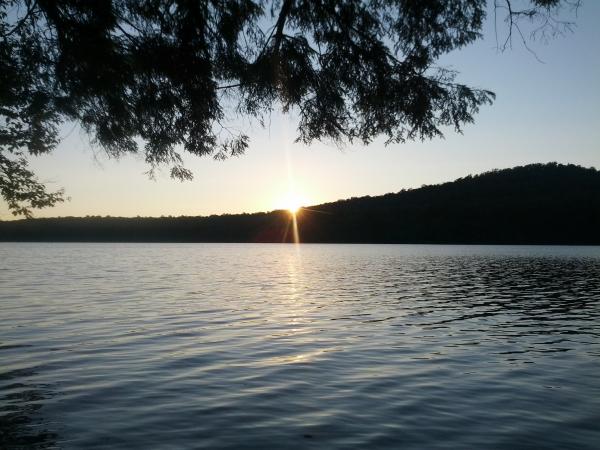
{"x":178,"y":346}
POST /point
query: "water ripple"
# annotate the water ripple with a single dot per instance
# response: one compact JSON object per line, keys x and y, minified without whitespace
{"x":322,"y":346}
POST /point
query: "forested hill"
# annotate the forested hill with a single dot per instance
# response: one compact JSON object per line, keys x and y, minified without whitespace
{"x":534,"y":204}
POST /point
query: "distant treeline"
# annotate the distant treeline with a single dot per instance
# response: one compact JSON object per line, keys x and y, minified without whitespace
{"x":534,"y":204}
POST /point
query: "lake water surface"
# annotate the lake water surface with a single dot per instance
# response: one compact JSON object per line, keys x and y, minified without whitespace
{"x":177,"y":346}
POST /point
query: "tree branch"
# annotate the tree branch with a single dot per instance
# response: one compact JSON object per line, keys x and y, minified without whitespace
{"x":23,"y":20}
{"x":285,"y":10}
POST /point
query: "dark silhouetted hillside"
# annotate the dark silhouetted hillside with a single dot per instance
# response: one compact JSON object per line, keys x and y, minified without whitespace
{"x":534,"y":204}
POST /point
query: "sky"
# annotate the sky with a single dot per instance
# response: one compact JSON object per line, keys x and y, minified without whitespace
{"x":544,"y":111}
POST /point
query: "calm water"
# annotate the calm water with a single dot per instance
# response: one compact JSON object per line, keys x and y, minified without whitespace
{"x":322,"y":346}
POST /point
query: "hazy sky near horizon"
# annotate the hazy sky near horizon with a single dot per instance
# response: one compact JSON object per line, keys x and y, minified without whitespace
{"x":543,"y":112}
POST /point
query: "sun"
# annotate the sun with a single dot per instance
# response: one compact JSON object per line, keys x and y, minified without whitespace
{"x":293,"y":206}
{"x":293,"y":202}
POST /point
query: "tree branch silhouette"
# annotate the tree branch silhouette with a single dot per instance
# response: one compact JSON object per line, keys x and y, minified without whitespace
{"x":158,"y":78}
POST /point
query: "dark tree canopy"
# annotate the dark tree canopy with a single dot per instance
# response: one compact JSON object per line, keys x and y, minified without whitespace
{"x":165,"y":76}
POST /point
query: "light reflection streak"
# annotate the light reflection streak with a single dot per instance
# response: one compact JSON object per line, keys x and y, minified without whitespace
{"x":291,"y":187}
{"x":295,"y":228}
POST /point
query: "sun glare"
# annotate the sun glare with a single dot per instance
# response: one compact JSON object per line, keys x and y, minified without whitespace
{"x":293,"y":207}
{"x":293,"y":202}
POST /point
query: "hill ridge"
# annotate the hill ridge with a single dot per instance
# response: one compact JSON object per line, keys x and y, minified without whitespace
{"x":532,"y":204}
